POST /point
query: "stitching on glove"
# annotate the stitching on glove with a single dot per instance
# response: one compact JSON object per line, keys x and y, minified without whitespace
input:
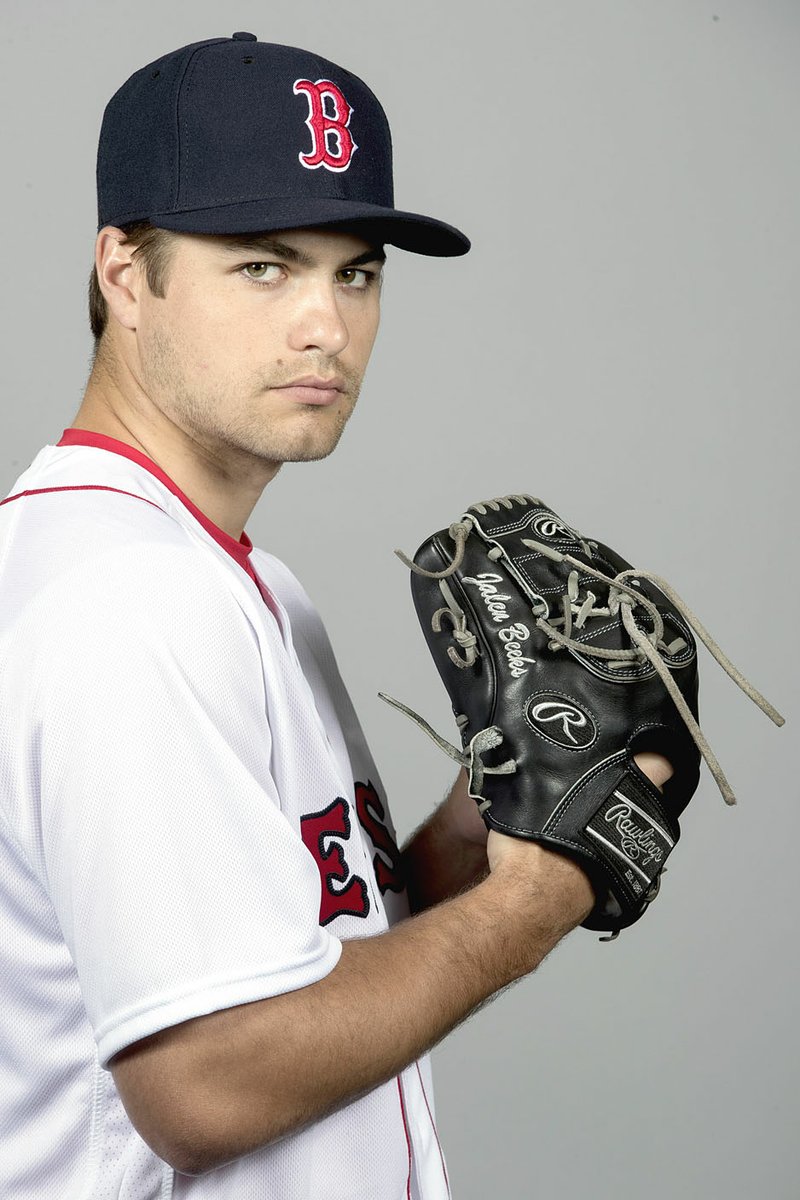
{"x":566,"y":804}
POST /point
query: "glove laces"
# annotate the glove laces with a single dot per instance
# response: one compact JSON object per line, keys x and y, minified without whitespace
{"x":623,"y":598}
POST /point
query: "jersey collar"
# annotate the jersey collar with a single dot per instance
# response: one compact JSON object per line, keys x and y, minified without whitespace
{"x":100,"y":441}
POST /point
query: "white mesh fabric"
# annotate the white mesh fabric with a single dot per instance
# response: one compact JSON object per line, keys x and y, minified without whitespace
{"x":161,"y":740}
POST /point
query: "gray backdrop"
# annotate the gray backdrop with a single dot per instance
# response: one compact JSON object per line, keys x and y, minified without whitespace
{"x":622,"y":340}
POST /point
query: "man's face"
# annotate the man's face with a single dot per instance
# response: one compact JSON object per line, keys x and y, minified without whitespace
{"x":238,"y":351}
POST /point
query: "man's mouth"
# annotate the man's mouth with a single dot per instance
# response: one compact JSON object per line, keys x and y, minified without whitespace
{"x":313,"y":389}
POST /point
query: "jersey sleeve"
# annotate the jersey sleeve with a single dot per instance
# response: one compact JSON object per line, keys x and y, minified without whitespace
{"x":179,"y":885}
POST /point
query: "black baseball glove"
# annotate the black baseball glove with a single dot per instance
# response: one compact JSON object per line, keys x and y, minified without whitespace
{"x":562,"y":662}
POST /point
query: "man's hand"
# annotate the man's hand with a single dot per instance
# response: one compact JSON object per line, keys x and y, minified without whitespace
{"x":448,"y":852}
{"x":657,"y":768}
{"x":466,"y":823}
{"x":559,"y":887}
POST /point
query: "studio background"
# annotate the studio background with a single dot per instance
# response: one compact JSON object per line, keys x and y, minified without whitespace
{"x":621,"y":341}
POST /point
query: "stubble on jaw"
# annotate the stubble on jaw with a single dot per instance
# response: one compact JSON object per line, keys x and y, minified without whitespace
{"x":228,"y":434}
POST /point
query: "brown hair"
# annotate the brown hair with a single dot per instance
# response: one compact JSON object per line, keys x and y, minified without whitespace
{"x":154,"y":247}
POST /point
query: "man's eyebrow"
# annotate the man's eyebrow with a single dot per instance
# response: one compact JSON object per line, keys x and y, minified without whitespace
{"x":269,"y":245}
{"x":375,"y":254}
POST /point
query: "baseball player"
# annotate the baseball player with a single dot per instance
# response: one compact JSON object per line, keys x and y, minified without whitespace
{"x":212,"y":983}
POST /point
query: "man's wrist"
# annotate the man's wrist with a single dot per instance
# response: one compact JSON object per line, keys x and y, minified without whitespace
{"x":544,"y":895}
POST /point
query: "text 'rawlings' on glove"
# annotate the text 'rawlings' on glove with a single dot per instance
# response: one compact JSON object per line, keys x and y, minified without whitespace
{"x":562,"y":661}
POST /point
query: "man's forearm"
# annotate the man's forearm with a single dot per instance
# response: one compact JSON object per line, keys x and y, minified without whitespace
{"x":219,"y":1086}
{"x":447,"y":853}
{"x":222,"y":1085}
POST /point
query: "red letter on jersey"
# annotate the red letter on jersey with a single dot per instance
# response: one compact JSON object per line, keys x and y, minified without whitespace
{"x":332,"y":142}
{"x":317,"y":829}
{"x":372,"y":816}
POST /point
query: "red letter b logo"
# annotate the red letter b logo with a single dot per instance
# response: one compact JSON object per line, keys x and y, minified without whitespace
{"x":332,"y":142}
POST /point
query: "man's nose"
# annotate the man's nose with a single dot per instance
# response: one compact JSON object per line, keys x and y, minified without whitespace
{"x":318,"y":323}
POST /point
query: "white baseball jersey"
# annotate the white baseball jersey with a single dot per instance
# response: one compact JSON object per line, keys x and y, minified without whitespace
{"x":190,"y":819}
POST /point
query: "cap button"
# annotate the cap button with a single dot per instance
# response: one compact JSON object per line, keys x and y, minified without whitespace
{"x":244,"y":37}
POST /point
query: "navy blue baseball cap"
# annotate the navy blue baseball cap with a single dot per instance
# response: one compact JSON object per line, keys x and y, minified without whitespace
{"x":234,"y":135}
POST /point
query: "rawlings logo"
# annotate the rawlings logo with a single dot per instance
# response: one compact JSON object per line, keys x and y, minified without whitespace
{"x":547,"y":525}
{"x":561,"y":721}
{"x":332,"y":142}
{"x":639,"y":842}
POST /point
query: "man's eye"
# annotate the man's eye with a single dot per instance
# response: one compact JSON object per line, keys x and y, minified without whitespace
{"x":354,"y":277}
{"x":264,"y":273}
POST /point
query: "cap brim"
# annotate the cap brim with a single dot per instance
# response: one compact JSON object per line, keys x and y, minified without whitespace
{"x":409,"y":231}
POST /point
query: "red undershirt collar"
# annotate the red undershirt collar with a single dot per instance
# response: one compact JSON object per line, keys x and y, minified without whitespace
{"x":83,"y":437}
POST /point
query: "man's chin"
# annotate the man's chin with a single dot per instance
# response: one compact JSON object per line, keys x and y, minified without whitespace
{"x":306,"y":441}
{"x":317,"y":446}
{"x":313,"y":455}
{"x":309,"y":453}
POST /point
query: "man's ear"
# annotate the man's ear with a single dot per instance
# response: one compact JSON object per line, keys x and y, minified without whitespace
{"x":117,"y":276}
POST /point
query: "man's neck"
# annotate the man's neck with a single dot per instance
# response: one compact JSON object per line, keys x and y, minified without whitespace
{"x":220,"y":496}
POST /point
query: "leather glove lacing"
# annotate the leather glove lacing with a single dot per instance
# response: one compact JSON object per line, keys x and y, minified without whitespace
{"x":622,"y":598}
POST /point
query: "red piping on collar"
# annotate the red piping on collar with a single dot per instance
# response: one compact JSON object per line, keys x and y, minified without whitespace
{"x":83,"y":437}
